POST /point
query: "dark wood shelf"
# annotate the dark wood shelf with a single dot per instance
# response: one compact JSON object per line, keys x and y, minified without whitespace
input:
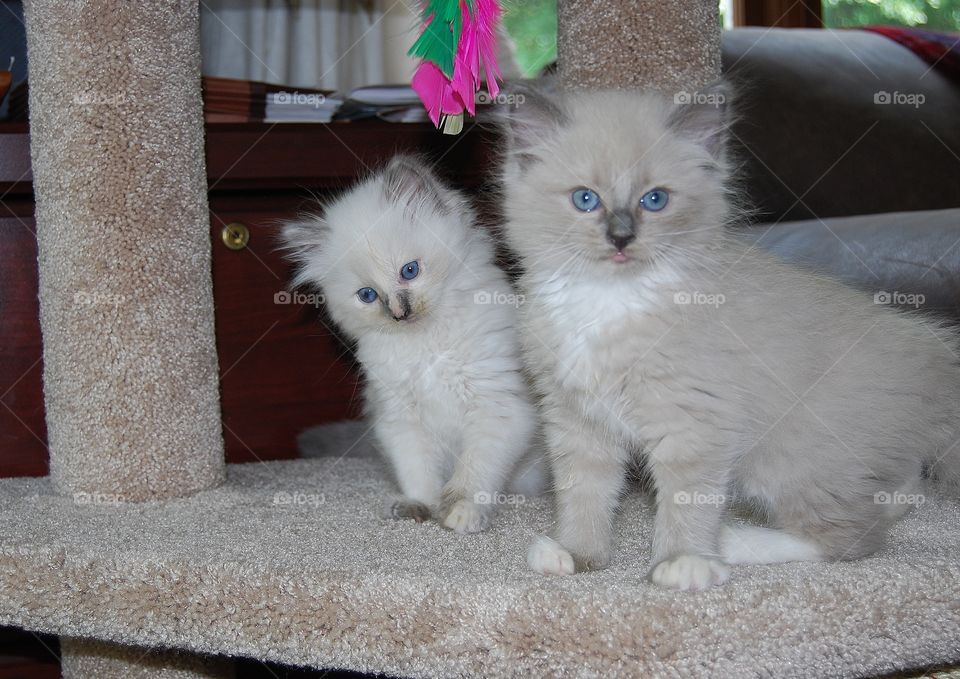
{"x":291,"y":156}
{"x":16,"y":179}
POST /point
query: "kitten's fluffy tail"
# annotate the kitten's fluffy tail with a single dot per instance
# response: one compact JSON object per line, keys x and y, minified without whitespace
{"x":745,"y":544}
{"x":353,"y":438}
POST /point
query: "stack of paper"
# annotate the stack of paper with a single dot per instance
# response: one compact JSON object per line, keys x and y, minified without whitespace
{"x":297,"y":106}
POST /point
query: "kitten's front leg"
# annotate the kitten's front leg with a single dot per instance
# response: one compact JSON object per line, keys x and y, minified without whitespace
{"x":691,"y":488}
{"x":494,"y":438}
{"x":415,"y":462}
{"x":589,"y":473}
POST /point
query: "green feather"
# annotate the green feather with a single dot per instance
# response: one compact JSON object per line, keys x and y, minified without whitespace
{"x":439,"y":40}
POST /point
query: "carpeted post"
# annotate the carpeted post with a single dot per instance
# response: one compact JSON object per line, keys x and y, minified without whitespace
{"x":126,"y":307}
{"x":670,"y":46}
{"x":83,"y":658}
{"x":126,"y":302}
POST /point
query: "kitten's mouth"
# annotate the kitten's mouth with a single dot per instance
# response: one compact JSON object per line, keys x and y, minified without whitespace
{"x":628,"y":257}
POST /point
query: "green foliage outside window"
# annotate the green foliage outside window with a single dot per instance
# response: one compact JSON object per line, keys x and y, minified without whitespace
{"x":937,"y":15}
{"x":532,"y":24}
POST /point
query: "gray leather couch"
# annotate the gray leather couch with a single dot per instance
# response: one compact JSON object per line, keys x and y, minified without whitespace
{"x":850,"y":152}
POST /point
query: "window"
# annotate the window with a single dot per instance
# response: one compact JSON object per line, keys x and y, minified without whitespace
{"x":937,"y":15}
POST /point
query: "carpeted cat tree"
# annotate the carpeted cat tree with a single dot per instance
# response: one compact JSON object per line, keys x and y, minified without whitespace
{"x":150,"y":559}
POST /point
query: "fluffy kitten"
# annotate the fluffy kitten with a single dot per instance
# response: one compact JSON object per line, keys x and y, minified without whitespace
{"x":653,"y":334}
{"x":413,"y":282}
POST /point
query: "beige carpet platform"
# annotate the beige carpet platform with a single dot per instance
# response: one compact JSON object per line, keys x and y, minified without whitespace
{"x":292,"y":562}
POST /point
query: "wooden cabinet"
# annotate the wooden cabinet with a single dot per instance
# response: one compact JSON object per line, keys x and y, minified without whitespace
{"x":23,"y":432}
{"x":280,"y":368}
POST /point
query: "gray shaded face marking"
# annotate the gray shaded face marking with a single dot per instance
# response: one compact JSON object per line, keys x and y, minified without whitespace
{"x":621,"y":228}
{"x":401,"y":310}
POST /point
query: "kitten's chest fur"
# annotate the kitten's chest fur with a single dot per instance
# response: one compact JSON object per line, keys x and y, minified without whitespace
{"x":423,"y":376}
{"x":578,"y":332}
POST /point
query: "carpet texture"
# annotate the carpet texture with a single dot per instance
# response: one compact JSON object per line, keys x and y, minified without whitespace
{"x":292,"y":562}
{"x":83,"y":658}
{"x":126,"y":299}
{"x":670,"y":46}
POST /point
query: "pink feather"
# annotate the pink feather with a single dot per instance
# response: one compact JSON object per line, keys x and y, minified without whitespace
{"x":477,"y":47}
{"x":476,"y":51}
{"x":435,"y":91}
{"x":488,"y":16}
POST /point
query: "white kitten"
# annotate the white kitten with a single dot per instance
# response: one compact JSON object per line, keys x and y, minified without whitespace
{"x":731,"y":375}
{"x":413,"y":282}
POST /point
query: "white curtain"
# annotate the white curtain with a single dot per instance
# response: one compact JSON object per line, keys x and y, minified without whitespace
{"x":329,"y":44}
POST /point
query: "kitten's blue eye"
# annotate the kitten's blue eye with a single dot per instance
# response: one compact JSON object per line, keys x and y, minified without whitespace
{"x":410,"y":270}
{"x":655,"y":200}
{"x":367,"y":295}
{"x":585,"y":200}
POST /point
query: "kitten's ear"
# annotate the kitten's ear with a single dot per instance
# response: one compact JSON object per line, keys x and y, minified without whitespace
{"x":705,"y":117}
{"x":304,"y":240}
{"x":533,"y":114}
{"x":410,"y":181}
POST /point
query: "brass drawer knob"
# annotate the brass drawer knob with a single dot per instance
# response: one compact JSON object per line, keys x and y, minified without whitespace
{"x":235,"y":236}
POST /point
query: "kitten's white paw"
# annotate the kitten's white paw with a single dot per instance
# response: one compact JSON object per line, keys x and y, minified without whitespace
{"x":466,"y":517}
{"x":548,"y":557}
{"x":689,"y":571}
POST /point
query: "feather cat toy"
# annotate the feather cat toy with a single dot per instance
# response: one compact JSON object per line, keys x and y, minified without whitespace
{"x":458,"y":42}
